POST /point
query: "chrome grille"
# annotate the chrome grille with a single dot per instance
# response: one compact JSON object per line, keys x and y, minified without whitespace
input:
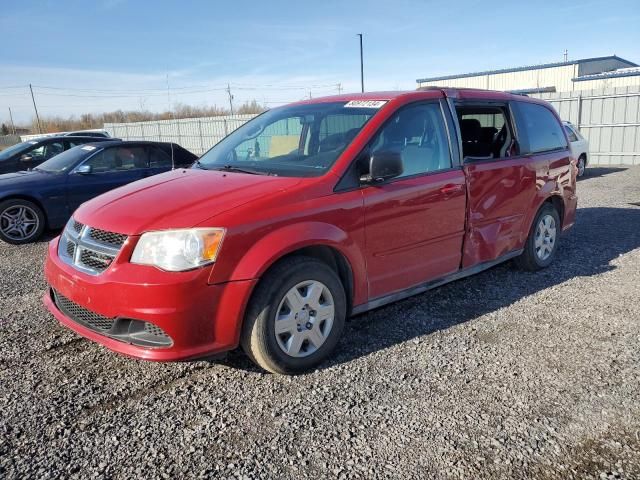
{"x":88,"y":249}
{"x":71,"y":248}
{"x":116,"y":239}
{"x":81,"y":315}
{"x":95,"y":260}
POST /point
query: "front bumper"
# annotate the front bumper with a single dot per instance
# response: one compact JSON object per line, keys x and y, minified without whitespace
{"x":199,"y":318}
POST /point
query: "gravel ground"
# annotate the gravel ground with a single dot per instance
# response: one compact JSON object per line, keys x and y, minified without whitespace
{"x":502,"y":375}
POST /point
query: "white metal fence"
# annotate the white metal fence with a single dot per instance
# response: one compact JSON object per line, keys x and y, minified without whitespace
{"x":8,"y":140}
{"x":608,"y":118}
{"x":195,"y":134}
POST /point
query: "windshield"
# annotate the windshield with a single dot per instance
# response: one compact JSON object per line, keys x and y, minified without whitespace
{"x":11,"y":151}
{"x":294,"y":141}
{"x":67,"y":160}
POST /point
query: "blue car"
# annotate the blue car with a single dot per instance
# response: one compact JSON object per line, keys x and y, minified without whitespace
{"x":32,"y":153}
{"x":45,"y":197}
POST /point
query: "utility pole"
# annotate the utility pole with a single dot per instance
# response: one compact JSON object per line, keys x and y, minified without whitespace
{"x":13,"y":126}
{"x":566,"y":55}
{"x":339,"y":85}
{"x":230,"y":98}
{"x":168,"y":95}
{"x":361,"y":65}
{"x":36,"y":109}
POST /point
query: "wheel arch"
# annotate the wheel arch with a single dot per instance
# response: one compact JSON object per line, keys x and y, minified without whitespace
{"x":330,"y":256}
{"x":558,"y":203}
{"x":30,"y":198}
{"x":319,"y":240}
{"x":556,"y":200}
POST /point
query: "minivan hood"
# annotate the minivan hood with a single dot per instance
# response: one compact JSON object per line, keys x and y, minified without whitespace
{"x":177,"y":199}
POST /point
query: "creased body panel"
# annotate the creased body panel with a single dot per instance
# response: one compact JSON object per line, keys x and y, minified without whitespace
{"x":501,"y":195}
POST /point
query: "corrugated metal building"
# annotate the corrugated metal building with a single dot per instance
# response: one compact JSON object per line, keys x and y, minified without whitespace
{"x":569,"y":76}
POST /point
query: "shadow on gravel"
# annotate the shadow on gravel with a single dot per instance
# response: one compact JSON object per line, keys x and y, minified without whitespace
{"x":48,"y":235}
{"x":595,"y":172}
{"x":599,"y":236}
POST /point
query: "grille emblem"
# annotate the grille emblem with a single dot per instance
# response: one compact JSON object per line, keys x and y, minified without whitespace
{"x":87,"y":249}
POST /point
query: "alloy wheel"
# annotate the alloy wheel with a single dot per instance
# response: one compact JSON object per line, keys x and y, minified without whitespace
{"x":19,"y":222}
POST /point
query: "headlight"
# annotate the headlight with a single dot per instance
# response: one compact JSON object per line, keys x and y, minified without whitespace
{"x":179,"y":250}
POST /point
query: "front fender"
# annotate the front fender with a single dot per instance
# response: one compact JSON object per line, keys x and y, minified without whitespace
{"x":283,"y":241}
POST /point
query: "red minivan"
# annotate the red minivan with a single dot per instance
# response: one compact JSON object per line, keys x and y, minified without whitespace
{"x":310,"y":213}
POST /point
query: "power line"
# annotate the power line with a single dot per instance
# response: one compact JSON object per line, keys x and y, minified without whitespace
{"x":159,"y":94}
{"x":125,"y":90}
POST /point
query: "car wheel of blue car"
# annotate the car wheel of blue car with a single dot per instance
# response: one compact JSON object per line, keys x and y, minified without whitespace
{"x":21,"y":221}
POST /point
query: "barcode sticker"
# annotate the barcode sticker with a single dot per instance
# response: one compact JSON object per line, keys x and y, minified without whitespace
{"x":366,"y":103}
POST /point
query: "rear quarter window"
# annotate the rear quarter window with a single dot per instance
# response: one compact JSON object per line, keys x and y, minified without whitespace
{"x":538,"y":129}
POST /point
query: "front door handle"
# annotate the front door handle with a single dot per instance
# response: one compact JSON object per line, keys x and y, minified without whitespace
{"x":450,"y":189}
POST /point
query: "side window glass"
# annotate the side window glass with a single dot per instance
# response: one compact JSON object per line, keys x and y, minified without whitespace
{"x":36,"y":153}
{"x":75,"y":143}
{"x":418,"y":133}
{"x":118,"y":159}
{"x":159,"y":159}
{"x":541,"y":128}
{"x":571,"y":134}
{"x":129,"y":158}
{"x":485,"y":132}
{"x":52,"y":149}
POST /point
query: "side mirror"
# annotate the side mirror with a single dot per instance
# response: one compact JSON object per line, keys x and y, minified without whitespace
{"x":26,"y":158}
{"x":383,"y":166}
{"x":84,"y":169}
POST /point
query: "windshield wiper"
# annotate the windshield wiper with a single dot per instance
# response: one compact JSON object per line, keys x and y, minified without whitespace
{"x":232,"y":168}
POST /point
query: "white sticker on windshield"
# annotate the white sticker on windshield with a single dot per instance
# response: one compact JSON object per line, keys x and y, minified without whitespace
{"x":32,"y":142}
{"x":366,"y":103}
{"x":88,"y":148}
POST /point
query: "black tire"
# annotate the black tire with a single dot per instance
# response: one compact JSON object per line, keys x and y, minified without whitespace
{"x":258,"y":338}
{"x":34,"y":211}
{"x":582,"y":166}
{"x":529,"y":259}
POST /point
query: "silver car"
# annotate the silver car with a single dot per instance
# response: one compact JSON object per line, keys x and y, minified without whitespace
{"x":579,"y":146}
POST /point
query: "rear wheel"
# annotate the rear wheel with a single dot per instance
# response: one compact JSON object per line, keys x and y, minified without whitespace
{"x":21,"y":221}
{"x":295,"y":317}
{"x":582,"y":165}
{"x":542,"y":243}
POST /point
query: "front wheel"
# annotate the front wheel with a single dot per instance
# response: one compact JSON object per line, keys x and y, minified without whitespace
{"x":21,"y":221}
{"x":542,"y":242}
{"x":295,"y":317}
